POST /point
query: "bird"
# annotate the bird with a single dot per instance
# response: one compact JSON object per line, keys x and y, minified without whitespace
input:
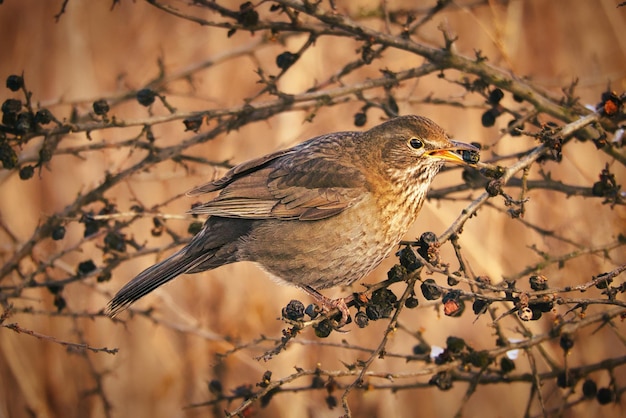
{"x":320,"y":214}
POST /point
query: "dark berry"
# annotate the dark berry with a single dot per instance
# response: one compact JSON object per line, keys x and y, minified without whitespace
{"x":86,"y":267}
{"x":590,"y":389}
{"x":566,"y":342}
{"x":100,"y":107}
{"x":58,"y":233}
{"x":470,"y":157}
{"x":59,"y":302}
{"x":115,"y":241}
{"x":15,"y":82}
{"x":455,"y":344}
{"x":479,"y":359}
{"x":194,"y":228}
{"x":361,"y":319}
{"x":294,"y":310}
{"x":495,"y":96}
{"x":411,"y":302}
{"x":360,"y":119}
{"x":323,"y":329}
{"x":538,"y":282}
{"x":27,"y":172}
{"x":247,"y":16}
{"x":408,"y":259}
{"x":488,"y":118}
{"x":25,"y":122}
{"x":506,"y":365}
{"x":8,"y":156}
{"x":518,"y":98}
{"x":421,"y":349}
{"x":331,"y":401}
{"x":479,"y":306}
{"x":105,"y":276}
{"x":11,"y":106}
{"x":396,"y":273}
{"x":146,"y":97}
{"x":286,"y":60}
{"x":430,"y":290}
{"x":605,"y":396}
{"x":215,"y":387}
{"x":565,"y":380}
{"x":43,"y":116}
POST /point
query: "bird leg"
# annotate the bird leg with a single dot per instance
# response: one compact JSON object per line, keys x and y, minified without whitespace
{"x":328,"y":304}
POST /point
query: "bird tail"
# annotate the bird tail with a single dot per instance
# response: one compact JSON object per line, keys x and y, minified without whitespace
{"x":153,"y":277}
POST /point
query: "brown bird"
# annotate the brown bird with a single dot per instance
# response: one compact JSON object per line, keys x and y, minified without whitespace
{"x":323,"y":213}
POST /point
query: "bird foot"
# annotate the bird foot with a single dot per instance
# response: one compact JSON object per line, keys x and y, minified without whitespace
{"x":328,"y":305}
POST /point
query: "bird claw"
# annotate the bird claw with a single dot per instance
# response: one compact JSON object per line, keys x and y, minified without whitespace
{"x":328,"y":305}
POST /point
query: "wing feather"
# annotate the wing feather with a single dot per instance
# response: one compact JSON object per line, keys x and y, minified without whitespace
{"x":310,"y":184}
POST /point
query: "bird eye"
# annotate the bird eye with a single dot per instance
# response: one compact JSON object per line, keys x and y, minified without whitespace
{"x":416,"y":143}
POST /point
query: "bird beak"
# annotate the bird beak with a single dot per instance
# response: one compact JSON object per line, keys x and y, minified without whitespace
{"x":458,"y":153}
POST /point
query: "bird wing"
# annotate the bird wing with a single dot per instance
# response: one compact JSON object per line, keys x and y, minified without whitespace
{"x":288,"y":184}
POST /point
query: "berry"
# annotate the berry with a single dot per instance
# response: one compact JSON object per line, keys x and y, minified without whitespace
{"x":100,"y":107}
{"x":15,"y":82}
{"x":145,"y":97}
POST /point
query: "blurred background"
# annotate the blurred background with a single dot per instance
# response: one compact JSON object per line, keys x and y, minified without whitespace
{"x":165,"y":360}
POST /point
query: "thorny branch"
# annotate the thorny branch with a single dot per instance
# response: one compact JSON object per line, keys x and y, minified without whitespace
{"x":23,"y":270}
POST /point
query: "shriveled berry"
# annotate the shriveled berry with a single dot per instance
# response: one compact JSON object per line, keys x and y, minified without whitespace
{"x":105,"y":276}
{"x":146,"y":97}
{"x":479,"y":306}
{"x":443,"y":380}
{"x":455,"y":344}
{"x":331,"y":401}
{"x":453,"y":305}
{"x":25,"y":122}
{"x":11,"y":106}
{"x":8,"y":156}
{"x":361,"y":319}
{"x":494,"y":187}
{"x":590,"y":389}
{"x":115,"y":241}
{"x":286,"y":60}
{"x":518,"y":98}
{"x":15,"y":82}
{"x":323,"y":329}
{"x":294,"y":310}
{"x":480,"y":359}
{"x":396,"y":273}
{"x":43,"y":116}
{"x":26,"y":172}
{"x":58,"y":233}
{"x":408,"y":259}
{"x":193,"y":123}
{"x":360,"y":119}
{"x":538,"y":282}
{"x":100,"y":107}
{"x":430,"y":290}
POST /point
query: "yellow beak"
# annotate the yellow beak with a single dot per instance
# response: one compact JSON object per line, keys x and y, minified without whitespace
{"x":458,"y":153}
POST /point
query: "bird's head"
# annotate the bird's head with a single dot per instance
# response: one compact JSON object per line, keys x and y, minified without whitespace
{"x":413,"y":147}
